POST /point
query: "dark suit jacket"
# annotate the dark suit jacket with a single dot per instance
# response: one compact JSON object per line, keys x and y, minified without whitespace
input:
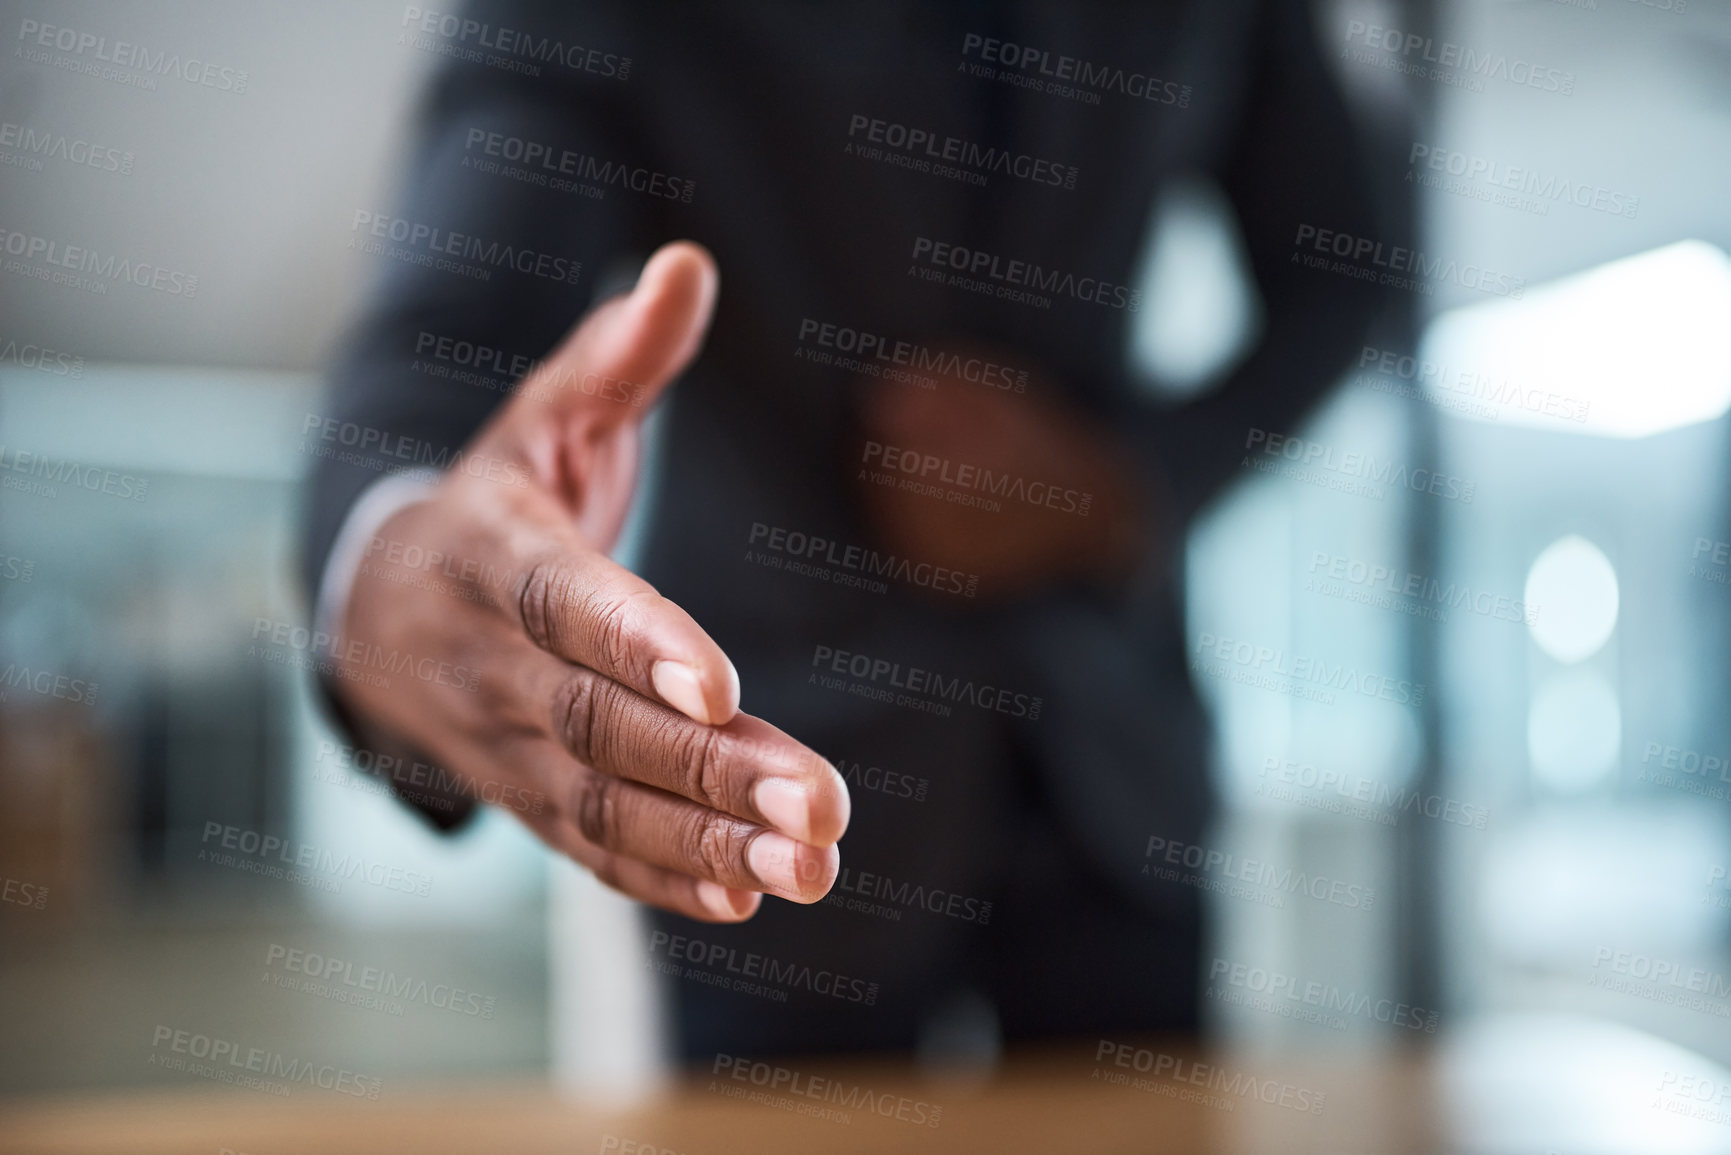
{"x":750,"y":105}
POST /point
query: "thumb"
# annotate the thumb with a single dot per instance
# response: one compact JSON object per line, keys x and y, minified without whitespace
{"x":615,"y":364}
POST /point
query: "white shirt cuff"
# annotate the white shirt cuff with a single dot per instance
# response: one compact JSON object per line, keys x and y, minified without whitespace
{"x":376,"y":505}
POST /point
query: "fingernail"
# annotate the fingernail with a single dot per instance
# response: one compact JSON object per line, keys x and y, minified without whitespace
{"x":732,"y":690}
{"x":774,"y":858}
{"x":679,"y":687}
{"x":724,"y":900}
{"x":786,"y":804}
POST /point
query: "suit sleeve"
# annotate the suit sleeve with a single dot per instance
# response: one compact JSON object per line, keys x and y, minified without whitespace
{"x":1297,"y":160}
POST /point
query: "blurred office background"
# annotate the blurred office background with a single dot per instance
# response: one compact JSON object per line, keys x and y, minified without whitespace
{"x":1573,"y":745}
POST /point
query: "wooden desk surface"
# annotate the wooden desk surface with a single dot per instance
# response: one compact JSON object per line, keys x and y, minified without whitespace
{"x":1059,"y":1101}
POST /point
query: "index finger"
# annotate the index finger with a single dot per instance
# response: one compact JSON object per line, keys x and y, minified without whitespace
{"x":578,"y":604}
{"x":747,"y":768}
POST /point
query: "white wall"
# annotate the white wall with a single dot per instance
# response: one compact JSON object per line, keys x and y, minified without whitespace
{"x":251,"y":191}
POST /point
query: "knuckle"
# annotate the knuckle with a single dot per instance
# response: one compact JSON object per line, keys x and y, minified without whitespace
{"x":595,"y":809}
{"x":719,"y":844}
{"x":542,"y":589}
{"x":617,"y":622}
{"x":702,"y":763}
{"x":577,"y":711}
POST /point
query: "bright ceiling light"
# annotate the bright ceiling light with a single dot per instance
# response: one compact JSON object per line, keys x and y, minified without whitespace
{"x":1572,"y":588}
{"x":1628,"y":349}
